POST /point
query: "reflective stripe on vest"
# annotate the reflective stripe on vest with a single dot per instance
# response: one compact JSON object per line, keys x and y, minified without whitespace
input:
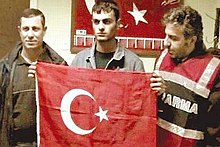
{"x":187,"y":133}
{"x":199,"y":87}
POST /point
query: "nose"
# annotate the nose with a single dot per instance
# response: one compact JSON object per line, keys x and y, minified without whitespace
{"x":167,"y":42}
{"x":101,"y":26}
{"x":30,"y":33}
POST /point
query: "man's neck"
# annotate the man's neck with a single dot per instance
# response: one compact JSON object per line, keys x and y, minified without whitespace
{"x":106,"y":46}
{"x":31,"y":55}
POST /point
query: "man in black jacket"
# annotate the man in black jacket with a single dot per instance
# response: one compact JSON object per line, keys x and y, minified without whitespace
{"x":17,"y":93}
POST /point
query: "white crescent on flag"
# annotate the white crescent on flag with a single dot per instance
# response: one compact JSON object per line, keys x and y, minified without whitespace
{"x":66,"y":115}
{"x":65,"y":110}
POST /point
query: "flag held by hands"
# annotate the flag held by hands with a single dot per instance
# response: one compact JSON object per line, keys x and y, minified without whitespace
{"x":86,"y":107}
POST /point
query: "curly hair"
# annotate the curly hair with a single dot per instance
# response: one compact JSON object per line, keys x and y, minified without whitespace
{"x":189,"y":19}
{"x":107,"y":6}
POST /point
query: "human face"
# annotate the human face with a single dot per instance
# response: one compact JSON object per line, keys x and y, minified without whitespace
{"x":104,"y":26}
{"x":32,"y":32}
{"x":178,"y":46}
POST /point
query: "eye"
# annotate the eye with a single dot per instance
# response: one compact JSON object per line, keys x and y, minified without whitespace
{"x":25,"y":29}
{"x":96,"y":21}
{"x":35,"y":29}
{"x":174,"y":38}
{"x":107,"y":21}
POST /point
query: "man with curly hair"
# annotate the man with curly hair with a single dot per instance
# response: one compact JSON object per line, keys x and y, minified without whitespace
{"x":188,"y":84}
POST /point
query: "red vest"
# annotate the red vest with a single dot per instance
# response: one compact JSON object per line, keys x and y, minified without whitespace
{"x":194,"y":77}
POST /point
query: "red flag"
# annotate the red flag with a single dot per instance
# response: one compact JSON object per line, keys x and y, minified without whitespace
{"x":140,"y":18}
{"x":86,"y":107}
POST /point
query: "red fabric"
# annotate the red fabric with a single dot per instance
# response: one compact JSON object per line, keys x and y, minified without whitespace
{"x":153,"y":29}
{"x":127,"y":96}
{"x":174,"y":140}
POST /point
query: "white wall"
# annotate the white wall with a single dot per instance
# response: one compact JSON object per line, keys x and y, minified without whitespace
{"x":148,"y":64}
{"x":207,"y":8}
{"x":58,"y":21}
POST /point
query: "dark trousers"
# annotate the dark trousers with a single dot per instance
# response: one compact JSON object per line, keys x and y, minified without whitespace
{"x":24,"y":138}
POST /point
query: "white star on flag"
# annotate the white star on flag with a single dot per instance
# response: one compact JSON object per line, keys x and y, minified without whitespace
{"x":138,"y":15}
{"x":102,"y":114}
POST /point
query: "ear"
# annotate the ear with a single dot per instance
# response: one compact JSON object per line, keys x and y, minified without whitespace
{"x":45,"y":29}
{"x":19,"y":28}
{"x":193,"y":40}
{"x":118,"y":23}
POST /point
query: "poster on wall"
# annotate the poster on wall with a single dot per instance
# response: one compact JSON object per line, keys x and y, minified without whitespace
{"x":141,"y":26}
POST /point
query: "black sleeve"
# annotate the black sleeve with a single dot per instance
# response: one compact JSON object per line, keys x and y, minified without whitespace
{"x":213,"y":116}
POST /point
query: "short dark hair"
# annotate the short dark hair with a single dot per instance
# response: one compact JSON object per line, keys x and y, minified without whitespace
{"x":191,"y":21}
{"x":107,"y":6}
{"x":31,"y":12}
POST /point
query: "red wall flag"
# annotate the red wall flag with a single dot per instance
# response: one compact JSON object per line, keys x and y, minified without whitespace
{"x":94,"y":108}
{"x":140,"y":18}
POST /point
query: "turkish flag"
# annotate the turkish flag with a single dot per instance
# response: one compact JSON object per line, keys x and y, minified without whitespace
{"x":94,"y":108}
{"x":140,"y":18}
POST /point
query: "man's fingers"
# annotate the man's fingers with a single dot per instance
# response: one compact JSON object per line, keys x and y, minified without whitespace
{"x":31,"y":75}
{"x":157,"y":83}
{"x":32,"y":70}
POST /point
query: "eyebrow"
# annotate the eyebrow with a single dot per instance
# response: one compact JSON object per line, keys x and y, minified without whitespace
{"x":102,"y":19}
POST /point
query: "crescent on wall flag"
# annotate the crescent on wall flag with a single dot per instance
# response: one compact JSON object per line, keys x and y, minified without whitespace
{"x":86,"y":107}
